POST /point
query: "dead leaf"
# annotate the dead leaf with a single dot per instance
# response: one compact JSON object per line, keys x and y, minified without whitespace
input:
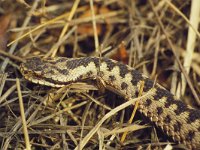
{"x":121,"y":54}
{"x":4,"y":23}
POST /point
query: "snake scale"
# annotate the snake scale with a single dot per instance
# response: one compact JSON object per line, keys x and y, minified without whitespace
{"x":175,"y":118}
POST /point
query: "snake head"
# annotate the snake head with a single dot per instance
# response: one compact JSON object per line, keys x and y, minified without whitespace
{"x":56,"y":72}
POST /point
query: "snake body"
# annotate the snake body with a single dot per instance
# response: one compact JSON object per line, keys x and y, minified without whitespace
{"x":175,"y":118}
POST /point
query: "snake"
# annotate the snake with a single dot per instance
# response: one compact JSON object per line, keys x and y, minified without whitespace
{"x":178,"y":120}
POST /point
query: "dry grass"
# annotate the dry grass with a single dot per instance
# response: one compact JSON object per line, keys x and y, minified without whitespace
{"x":151,"y":36}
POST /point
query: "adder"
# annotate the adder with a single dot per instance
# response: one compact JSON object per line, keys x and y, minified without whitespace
{"x":175,"y":118}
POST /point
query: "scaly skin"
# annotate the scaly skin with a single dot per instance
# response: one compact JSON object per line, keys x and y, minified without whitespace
{"x":177,"y":119}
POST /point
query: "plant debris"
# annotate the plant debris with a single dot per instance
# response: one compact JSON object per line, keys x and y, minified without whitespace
{"x":79,"y":115}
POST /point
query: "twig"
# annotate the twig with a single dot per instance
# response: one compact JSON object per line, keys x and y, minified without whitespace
{"x":26,"y":21}
{"x":94,"y":26}
{"x":66,"y":25}
{"x":11,"y":56}
{"x":27,"y":141}
{"x":194,"y":20}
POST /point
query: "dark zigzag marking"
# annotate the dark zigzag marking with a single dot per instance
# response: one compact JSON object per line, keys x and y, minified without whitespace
{"x":110,"y":64}
{"x":160,"y":93}
{"x":194,"y":114}
{"x":123,"y":69}
{"x":148,"y":84}
{"x":75,"y":63}
{"x":136,"y":77}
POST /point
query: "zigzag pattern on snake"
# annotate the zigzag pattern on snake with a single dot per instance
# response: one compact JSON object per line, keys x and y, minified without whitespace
{"x":175,"y":118}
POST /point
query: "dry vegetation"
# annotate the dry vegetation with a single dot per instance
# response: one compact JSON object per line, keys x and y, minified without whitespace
{"x":150,"y":35}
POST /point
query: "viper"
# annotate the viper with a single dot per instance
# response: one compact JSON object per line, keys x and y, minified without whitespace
{"x":173,"y":116}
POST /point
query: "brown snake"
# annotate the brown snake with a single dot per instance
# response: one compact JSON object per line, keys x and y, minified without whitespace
{"x":175,"y":118}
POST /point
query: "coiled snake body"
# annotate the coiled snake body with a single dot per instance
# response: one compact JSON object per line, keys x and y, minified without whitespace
{"x":177,"y":119}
